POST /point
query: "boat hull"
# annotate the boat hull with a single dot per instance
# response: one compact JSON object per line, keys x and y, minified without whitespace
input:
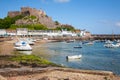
{"x":74,"y":57}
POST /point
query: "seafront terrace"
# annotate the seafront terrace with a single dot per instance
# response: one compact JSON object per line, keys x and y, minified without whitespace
{"x":41,"y":34}
{"x":50,"y":33}
{"x":26,"y":32}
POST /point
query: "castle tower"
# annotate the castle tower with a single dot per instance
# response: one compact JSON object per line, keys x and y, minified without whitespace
{"x":13,"y":13}
{"x":25,"y":11}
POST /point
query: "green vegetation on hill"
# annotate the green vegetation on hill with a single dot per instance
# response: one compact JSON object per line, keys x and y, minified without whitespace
{"x":30,"y":17}
{"x":9,"y":23}
{"x":30,"y":27}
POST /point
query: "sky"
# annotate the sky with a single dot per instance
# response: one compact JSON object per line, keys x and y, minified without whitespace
{"x":95,"y":16}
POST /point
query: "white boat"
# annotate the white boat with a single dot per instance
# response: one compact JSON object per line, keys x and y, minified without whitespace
{"x":68,"y":41}
{"x":89,"y":43}
{"x":28,"y":40}
{"x":118,"y":44}
{"x":108,"y":42}
{"x":20,"y":43}
{"x":74,"y":57}
{"x":110,"y":45}
{"x":24,"y":47}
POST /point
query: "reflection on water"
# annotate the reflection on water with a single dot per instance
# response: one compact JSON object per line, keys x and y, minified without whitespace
{"x":25,"y":52}
{"x":73,"y":60}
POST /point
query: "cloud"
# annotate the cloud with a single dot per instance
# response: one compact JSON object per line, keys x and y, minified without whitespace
{"x":105,"y":22}
{"x":56,"y":1}
{"x":110,"y":23}
{"x":117,"y":24}
{"x":62,"y":1}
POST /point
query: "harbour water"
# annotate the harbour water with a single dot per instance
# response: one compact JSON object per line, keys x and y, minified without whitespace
{"x":94,"y":57}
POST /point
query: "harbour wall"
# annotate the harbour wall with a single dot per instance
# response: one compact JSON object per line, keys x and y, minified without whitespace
{"x":106,"y":36}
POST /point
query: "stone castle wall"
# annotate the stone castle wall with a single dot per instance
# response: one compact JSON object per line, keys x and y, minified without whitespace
{"x":13,"y":13}
{"x":40,"y":14}
{"x":27,"y":11}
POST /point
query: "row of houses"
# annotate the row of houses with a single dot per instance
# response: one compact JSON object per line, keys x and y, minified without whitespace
{"x":49,"y":33}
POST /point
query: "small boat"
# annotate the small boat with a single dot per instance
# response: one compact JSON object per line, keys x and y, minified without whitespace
{"x":24,"y":47}
{"x":78,"y":47}
{"x":109,"y":44}
{"x":90,"y":43}
{"x":20,"y":43}
{"x":74,"y":57}
{"x":69,"y":41}
{"x":28,"y":40}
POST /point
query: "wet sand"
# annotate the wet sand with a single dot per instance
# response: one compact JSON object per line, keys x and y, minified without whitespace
{"x":6,"y":48}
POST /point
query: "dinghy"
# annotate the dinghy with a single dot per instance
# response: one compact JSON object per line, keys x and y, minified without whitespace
{"x":78,"y":47}
{"x":74,"y":57}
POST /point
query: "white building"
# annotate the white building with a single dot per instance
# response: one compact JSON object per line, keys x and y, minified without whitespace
{"x":82,"y":33}
{"x":3,"y":32}
{"x":51,"y":33}
{"x":22,"y":31}
{"x":43,"y":33}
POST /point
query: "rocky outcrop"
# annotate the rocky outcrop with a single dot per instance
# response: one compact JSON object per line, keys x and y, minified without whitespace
{"x":47,"y":21}
{"x":41,"y":17}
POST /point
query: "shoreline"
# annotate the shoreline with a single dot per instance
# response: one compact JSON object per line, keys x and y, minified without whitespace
{"x":27,"y":71}
{"x":55,"y":73}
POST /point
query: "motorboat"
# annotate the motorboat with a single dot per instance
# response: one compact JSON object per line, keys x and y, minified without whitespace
{"x":24,"y":47}
{"x":74,"y":57}
{"x":20,"y":43}
{"x":68,"y":41}
{"x":111,"y":45}
{"x":28,"y":40}
{"x":77,"y":46}
{"x":108,"y":42}
{"x":90,"y":43}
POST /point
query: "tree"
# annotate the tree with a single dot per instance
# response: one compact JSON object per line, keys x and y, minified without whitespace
{"x":66,"y":27}
{"x":8,"y":21}
{"x":57,"y":23}
{"x":40,"y":27}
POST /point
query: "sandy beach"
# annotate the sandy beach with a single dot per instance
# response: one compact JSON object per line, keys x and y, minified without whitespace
{"x":55,"y":73}
{"x":50,"y":73}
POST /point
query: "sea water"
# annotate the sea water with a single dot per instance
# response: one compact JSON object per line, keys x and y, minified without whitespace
{"x":94,"y":57}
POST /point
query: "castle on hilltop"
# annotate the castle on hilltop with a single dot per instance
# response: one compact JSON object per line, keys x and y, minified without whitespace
{"x":41,"y":17}
{"x":27,"y":11}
